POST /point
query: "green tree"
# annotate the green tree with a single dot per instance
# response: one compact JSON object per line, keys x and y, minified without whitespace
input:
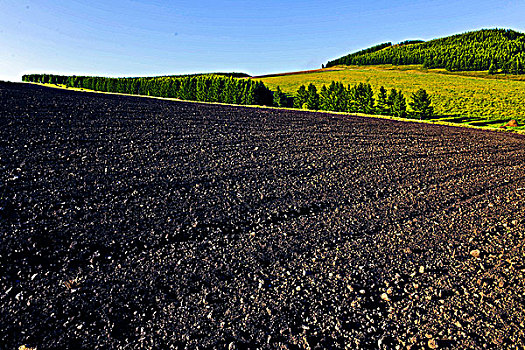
{"x":262,"y":95}
{"x":390,"y":100}
{"x":382,"y":103}
{"x":400,"y":106}
{"x":201,"y":89}
{"x":397,"y":103}
{"x":420,"y":105}
{"x":516,"y":66}
{"x":505,"y":68}
{"x":301,"y":97}
{"x":279,"y":98}
{"x":324,"y":98}
{"x":312,"y":99}
{"x":216,"y":87}
{"x":493,"y":68}
{"x":368,"y":99}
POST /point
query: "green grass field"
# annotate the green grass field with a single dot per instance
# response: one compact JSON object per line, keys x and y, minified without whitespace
{"x":469,"y":97}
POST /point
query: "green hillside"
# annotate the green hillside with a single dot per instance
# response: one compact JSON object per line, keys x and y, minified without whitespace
{"x":456,"y":97}
{"x":496,"y":50}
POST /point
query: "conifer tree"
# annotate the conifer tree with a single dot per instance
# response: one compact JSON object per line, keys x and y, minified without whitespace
{"x":492,"y":68}
{"x":505,"y":68}
{"x":262,"y":95}
{"x":250,"y":97}
{"x":201,"y":89}
{"x":399,"y":106}
{"x":301,"y":97}
{"x":246,"y":100}
{"x":396,"y":103}
{"x":353,"y":98}
{"x":368,"y":99}
{"x":420,"y":105}
{"x":340,"y":96}
{"x":312,"y":99}
{"x":390,"y":100}
{"x":216,"y":87}
{"x":516,"y":66}
{"x":279,"y":98}
{"x":382,"y":104}
{"x":324,"y":98}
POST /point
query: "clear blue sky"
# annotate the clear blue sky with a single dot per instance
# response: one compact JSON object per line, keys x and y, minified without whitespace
{"x":153,"y":37}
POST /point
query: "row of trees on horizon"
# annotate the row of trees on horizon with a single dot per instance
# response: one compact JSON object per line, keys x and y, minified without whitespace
{"x":358,"y":99}
{"x":496,"y":50}
{"x":205,"y":88}
{"x":213,"y":88}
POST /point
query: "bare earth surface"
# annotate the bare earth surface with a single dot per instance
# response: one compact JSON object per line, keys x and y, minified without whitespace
{"x":128,"y":222}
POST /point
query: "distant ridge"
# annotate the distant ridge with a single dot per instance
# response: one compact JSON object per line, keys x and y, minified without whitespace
{"x":497,"y":50}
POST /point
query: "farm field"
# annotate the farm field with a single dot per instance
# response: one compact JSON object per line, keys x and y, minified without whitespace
{"x":131,"y":222}
{"x":458,"y":97}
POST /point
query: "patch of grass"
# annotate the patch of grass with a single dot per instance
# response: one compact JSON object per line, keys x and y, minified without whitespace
{"x":466,"y":97}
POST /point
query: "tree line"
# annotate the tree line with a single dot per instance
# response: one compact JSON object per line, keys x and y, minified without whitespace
{"x":205,"y":88}
{"x":360,"y":98}
{"x":214,"y":88}
{"x":496,"y":50}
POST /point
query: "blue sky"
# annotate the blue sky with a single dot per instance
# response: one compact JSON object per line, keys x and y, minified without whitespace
{"x":141,"y":38}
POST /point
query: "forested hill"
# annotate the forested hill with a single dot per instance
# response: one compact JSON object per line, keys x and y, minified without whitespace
{"x":496,"y":50}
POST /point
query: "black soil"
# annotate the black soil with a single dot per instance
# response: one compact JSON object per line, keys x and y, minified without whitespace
{"x":129,"y":222}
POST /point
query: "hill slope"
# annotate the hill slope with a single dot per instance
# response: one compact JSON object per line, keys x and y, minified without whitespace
{"x":465,"y":98}
{"x":502,"y":48}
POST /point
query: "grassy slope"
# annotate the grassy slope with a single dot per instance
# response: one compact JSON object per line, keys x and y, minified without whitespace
{"x":460,"y":97}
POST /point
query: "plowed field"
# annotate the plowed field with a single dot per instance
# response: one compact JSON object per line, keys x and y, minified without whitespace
{"x":129,"y":222}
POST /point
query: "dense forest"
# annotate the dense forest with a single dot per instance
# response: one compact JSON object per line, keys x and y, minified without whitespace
{"x":496,"y":50}
{"x":206,"y":88}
